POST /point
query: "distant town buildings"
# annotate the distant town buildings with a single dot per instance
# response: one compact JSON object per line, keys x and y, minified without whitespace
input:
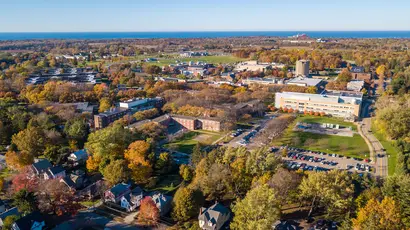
{"x":302,"y":68}
{"x":252,"y":66}
{"x":193,"y":54}
{"x":339,"y":104}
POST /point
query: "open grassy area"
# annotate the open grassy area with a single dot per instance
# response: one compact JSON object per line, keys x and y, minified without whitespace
{"x":348,"y":146}
{"x":331,"y":120}
{"x":390,"y":150}
{"x":168,"y":183}
{"x":188,"y":141}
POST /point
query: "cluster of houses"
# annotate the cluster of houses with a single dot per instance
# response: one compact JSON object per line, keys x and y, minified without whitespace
{"x":215,"y":217}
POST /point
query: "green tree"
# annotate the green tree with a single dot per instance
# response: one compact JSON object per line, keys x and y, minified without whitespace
{"x":30,"y":140}
{"x":164,"y":163}
{"x":258,"y":210}
{"x":398,"y":188}
{"x":25,"y":201}
{"x":311,"y":89}
{"x":332,"y":191}
{"x":186,"y":172}
{"x":186,"y":203}
{"x":197,"y":154}
{"x":116,"y":172}
{"x":111,"y":141}
{"x":77,"y":130}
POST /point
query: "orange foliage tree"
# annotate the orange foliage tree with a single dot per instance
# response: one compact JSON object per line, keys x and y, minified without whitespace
{"x":149,"y":213}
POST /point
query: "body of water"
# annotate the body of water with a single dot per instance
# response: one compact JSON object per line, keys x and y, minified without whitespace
{"x":209,"y":34}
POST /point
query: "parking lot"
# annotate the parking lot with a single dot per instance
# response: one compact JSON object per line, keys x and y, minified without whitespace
{"x":246,"y":137}
{"x":319,"y":161}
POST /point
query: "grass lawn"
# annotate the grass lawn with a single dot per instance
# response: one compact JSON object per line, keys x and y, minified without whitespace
{"x":190,"y":139}
{"x":390,"y":150}
{"x":331,"y":120}
{"x":348,"y":146}
{"x":168,"y":183}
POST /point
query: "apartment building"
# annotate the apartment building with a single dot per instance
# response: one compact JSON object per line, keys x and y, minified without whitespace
{"x":338,"y":104}
{"x":194,"y":123}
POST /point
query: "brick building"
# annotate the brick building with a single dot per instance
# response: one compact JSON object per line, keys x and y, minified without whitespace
{"x":194,"y":123}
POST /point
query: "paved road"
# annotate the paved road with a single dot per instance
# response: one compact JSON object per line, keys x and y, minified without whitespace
{"x":381,"y":162}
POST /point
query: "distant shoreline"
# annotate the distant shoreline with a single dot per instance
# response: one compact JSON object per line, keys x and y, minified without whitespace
{"x":204,"y":34}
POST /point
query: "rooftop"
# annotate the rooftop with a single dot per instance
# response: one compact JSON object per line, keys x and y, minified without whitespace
{"x":304,"y":81}
{"x":326,"y":97}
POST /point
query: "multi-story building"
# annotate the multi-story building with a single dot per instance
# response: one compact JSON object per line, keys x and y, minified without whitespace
{"x":358,"y":73}
{"x":339,"y":104}
{"x":102,"y":120}
{"x":302,"y":68}
{"x":194,"y":123}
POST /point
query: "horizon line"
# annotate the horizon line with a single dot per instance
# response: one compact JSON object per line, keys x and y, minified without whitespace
{"x":196,"y":31}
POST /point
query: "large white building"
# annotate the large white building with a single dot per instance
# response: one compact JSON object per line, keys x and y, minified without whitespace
{"x":304,"y":81}
{"x":339,"y":104}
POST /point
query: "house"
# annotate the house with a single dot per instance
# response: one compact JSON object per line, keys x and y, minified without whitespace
{"x":54,"y":173}
{"x":115,"y":193}
{"x":132,"y":200}
{"x":75,"y":180}
{"x":40,"y":167}
{"x":32,"y":221}
{"x":79,"y":156}
{"x":163,"y":203}
{"x":214,"y":217}
{"x":11,"y":212}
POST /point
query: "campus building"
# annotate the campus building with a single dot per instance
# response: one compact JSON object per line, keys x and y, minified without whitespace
{"x":102,"y":120}
{"x":263,"y":81}
{"x":305,"y":81}
{"x":302,"y":68}
{"x":338,"y":104}
{"x":194,"y":123}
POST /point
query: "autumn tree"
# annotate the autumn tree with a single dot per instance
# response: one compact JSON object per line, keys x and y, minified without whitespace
{"x":186,"y":203}
{"x":149,"y":213}
{"x":55,"y":197}
{"x":378,"y":215}
{"x":18,"y":160}
{"x":137,"y":155}
{"x":105,"y":104}
{"x":22,"y":180}
{"x":9,"y":220}
{"x":258,"y":210}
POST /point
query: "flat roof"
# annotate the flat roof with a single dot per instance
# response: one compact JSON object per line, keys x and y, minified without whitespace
{"x":327,"y":97}
{"x":305,"y":81}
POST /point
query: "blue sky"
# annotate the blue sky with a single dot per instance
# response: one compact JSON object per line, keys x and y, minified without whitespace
{"x":204,"y":15}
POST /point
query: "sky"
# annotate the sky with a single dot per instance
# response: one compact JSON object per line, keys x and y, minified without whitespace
{"x":204,"y":15}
